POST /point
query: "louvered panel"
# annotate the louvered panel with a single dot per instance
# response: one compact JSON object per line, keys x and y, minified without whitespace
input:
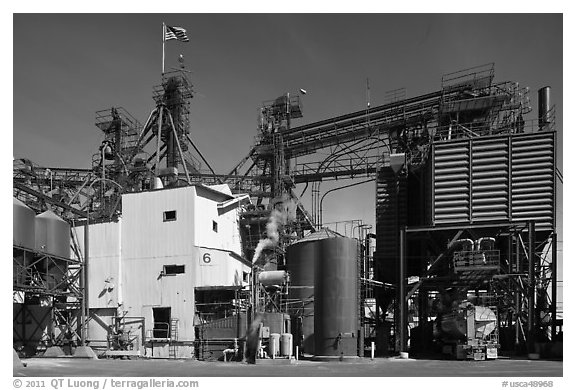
{"x":490,"y":179}
{"x":451,"y":175}
{"x":498,"y":178}
{"x":532,"y":192}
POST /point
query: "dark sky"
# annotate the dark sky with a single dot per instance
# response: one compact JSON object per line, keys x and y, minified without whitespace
{"x":67,"y":66}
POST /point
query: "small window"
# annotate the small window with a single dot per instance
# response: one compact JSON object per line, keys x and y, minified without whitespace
{"x":215,"y":226}
{"x":245,"y":277}
{"x":169,"y":215}
{"x":174,"y":269}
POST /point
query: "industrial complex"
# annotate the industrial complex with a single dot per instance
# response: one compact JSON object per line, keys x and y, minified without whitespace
{"x":152,"y":254}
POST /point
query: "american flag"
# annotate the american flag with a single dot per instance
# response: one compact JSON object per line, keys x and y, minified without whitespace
{"x":176,"y":33}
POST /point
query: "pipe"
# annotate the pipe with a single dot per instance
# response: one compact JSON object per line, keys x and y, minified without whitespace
{"x":518,"y":296}
{"x":403,"y":303}
{"x":554,"y":283}
{"x":543,"y":108}
{"x":334,"y":189}
{"x":531,"y":289}
{"x":84,"y":286}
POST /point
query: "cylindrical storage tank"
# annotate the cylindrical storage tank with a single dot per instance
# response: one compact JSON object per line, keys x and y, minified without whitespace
{"x":286,"y":344}
{"x":23,"y":225}
{"x":336,"y":301}
{"x":544,"y":114}
{"x":300,"y":259}
{"x":272,"y":278}
{"x":274,"y":345}
{"x":52,"y":235}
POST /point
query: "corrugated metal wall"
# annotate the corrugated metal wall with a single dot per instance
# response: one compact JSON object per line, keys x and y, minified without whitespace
{"x":104,"y":263}
{"x":494,"y":179}
{"x":127,"y":258}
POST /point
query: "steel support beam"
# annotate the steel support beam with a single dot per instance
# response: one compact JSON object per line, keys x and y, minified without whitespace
{"x":554,"y":303}
{"x":532,"y":287}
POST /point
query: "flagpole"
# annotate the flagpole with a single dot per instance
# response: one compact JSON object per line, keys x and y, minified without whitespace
{"x":163,"y":44}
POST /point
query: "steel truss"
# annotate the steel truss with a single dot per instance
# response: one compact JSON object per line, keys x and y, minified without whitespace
{"x":47,"y":301}
{"x":521,"y":288}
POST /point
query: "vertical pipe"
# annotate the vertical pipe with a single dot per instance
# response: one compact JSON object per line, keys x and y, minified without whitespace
{"x":554,"y":283}
{"x":532,"y":278}
{"x":517,"y":294}
{"x":85,"y":306}
{"x":163,"y":44}
{"x":159,"y":135}
{"x":422,"y":317}
{"x":102,"y":197}
{"x":372,"y":350}
{"x":470,"y":169}
{"x":361,"y":276}
{"x":403,"y":304}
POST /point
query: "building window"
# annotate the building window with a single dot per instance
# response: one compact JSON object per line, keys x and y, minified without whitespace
{"x":215,"y":226}
{"x":170,"y":216}
{"x":161,"y":317}
{"x":173,"y":269}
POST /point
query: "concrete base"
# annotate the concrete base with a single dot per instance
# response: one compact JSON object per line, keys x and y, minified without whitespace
{"x":276,"y":362}
{"x":54,"y":352}
{"x":347,"y":359}
{"x":85,"y":353}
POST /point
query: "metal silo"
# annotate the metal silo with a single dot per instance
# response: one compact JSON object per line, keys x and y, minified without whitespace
{"x":23,"y":225}
{"x":52,"y":235}
{"x":336,"y":319}
{"x":300,"y":259}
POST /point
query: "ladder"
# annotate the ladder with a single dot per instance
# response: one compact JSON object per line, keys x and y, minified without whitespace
{"x":173,"y":348}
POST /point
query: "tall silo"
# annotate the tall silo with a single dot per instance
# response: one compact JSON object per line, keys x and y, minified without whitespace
{"x":53,"y":238}
{"x":336,"y":301}
{"x":300,"y":259}
{"x":23,"y":225}
{"x":52,"y":234}
{"x":23,"y":228}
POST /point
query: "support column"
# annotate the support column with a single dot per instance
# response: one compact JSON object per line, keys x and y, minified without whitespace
{"x":85,"y":308}
{"x":532,"y":287}
{"x":402,"y":302}
{"x":518,"y":295}
{"x":554,"y":302}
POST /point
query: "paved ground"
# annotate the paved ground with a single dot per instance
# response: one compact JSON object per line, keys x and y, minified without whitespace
{"x":382,"y":367}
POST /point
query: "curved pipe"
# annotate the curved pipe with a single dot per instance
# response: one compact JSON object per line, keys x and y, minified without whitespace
{"x":339,"y":188}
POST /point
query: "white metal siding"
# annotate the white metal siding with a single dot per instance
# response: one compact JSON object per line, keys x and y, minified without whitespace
{"x":103,"y":263}
{"x":218,"y":268}
{"x":131,"y":254}
{"x":146,"y":235}
{"x":145,"y":288}
{"x":206,"y":211}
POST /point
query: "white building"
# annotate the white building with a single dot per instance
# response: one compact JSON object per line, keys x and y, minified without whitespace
{"x":146,"y":267}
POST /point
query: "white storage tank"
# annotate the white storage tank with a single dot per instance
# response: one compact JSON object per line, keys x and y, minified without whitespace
{"x":274,"y":345}
{"x":23,"y":225}
{"x":286,"y":344}
{"x":52,"y":234}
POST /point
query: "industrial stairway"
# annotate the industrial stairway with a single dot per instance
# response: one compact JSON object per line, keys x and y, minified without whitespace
{"x":173,"y":348}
